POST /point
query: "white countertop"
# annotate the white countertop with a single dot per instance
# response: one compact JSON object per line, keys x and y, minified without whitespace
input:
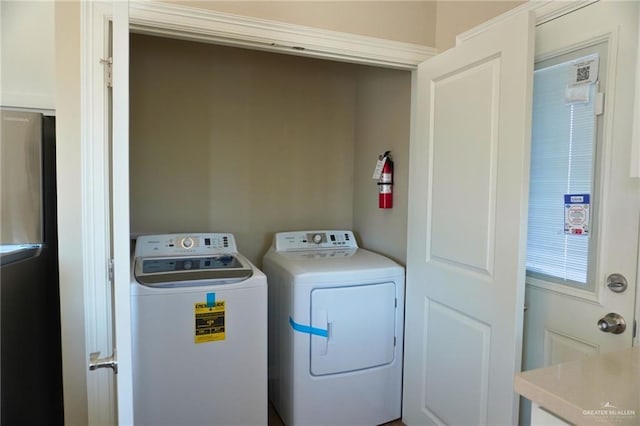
{"x":600,"y":390}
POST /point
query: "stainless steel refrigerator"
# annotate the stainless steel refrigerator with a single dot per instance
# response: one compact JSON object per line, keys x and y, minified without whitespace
{"x":30,"y":339}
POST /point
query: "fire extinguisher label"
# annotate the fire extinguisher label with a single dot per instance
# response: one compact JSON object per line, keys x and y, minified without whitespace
{"x":377,"y":172}
{"x":385,"y":189}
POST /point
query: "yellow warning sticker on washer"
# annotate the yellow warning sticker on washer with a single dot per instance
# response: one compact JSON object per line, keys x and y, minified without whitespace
{"x":209,"y":322}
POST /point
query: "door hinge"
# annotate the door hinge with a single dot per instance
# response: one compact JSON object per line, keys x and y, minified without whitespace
{"x":396,"y":303}
{"x":110,"y":268}
{"x":394,"y":340}
{"x":108,"y":70}
{"x":107,"y":362}
{"x":635,"y":329}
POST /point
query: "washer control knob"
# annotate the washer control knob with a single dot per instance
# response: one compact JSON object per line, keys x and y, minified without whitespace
{"x":188,"y":264}
{"x":317,"y":238}
{"x":187,"y":242}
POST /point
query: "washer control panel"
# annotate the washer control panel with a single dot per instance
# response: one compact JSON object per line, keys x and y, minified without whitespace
{"x":181,"y":244}
{"x":314,"y":240}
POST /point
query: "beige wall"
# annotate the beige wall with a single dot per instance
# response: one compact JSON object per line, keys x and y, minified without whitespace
{"x":234,"y":140}
{"x":430,"y":23}
{"x":382,"y":124}
{"x":27,"y":54}
{"x":406,"y":21}
{"x":74,"y":364}
{"x":252,"y":143}
{"x":455,"y":17}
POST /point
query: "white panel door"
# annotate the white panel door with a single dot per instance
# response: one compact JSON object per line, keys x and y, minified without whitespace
{"x":561,"y":320}
{"x":467,"y":229}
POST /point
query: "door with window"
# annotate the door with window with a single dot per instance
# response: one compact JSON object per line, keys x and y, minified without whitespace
{"x":468,"y":246}
{"x":582,"y":242}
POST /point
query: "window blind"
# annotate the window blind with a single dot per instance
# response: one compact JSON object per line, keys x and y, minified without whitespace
{"x":562,"y":149}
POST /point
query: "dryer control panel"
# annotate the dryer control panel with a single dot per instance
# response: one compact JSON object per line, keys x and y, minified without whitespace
{"x":181,"y":244}
{"x":314,"y":240}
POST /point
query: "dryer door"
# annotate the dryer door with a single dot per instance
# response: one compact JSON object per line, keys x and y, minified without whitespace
{"x":361,"y":324}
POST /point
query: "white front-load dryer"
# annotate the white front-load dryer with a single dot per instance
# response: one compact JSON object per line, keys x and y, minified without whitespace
{"x":336,"y":316}
{"x":199,"y":327}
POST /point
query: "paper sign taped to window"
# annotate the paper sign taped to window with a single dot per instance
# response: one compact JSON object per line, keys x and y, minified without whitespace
{"x":584,"y":71}
{"x":576,"y":214}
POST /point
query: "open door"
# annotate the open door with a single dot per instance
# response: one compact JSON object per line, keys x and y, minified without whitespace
{"x":106,"y":199}
{"x":120,"y":211}
{"x":468,"y":193}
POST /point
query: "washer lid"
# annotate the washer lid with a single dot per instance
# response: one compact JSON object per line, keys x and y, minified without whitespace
{"x":189,"y":271}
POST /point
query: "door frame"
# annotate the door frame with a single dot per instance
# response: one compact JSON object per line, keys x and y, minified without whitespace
{"x":95,"y":204}
{"x":177,"y":21}
{"x":182,"y":22}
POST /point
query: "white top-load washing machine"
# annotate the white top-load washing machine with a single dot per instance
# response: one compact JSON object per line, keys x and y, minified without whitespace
{"x":336,"y":316}
{"x":199,"y":325}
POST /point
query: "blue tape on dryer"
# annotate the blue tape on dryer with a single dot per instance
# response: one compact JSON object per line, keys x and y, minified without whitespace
{"x":308,"y":329}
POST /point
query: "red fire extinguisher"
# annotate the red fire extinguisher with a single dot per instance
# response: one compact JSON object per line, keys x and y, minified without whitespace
{"x":385,"y":182}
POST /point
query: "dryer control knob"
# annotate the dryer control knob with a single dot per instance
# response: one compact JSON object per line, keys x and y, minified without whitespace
{"x":317,"y":238}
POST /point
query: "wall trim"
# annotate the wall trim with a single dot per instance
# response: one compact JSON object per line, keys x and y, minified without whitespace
{"x":545,"y":11}
{"x":182,"y":22}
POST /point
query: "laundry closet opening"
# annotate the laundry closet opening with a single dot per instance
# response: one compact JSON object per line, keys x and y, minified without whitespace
{"x":253,"y":142}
